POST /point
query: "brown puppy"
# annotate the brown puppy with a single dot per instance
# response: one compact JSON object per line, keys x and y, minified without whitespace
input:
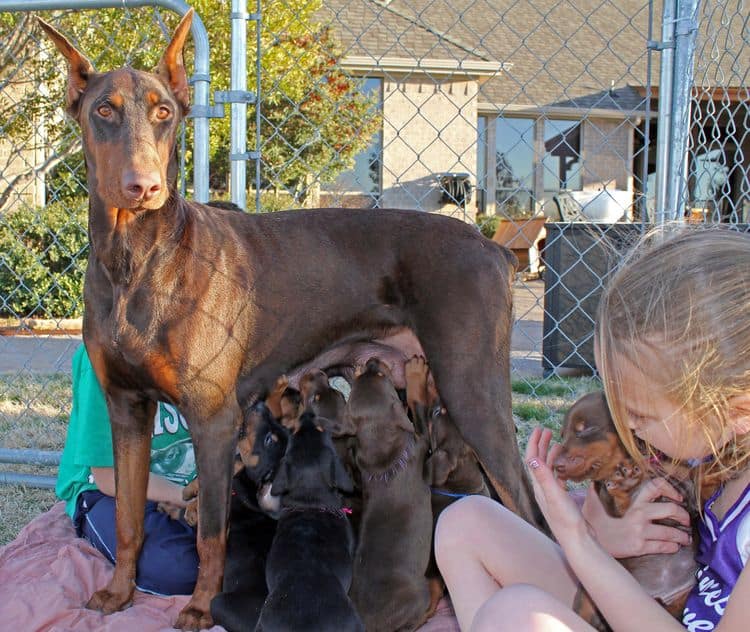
{"x":591,"y":449}
{"x":452,"y":468}
{"x":389,"y":588}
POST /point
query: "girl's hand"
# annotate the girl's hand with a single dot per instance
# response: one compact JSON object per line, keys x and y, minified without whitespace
{"x":635,"y":533}
{"x":560,"y":510}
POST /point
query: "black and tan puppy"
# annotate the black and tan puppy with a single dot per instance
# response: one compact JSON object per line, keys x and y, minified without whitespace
{"x":251,"y":530}
{"x":389,"y":588}
{"x":592,"y":450}
{"x":309,"y":568}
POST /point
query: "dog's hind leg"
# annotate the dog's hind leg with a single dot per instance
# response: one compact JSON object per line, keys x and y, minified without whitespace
{"x":131,"y":419}
{"x":214,"y":440}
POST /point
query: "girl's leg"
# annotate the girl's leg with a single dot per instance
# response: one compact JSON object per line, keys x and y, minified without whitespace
{"x":168,"y":563}
{"x":481,"y":547}
{"x":528,"y":608}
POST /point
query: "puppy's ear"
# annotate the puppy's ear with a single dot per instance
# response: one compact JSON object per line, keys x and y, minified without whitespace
{"x":340,"y":478}
{"x":281,"y":480}
{"x":402,"y":421}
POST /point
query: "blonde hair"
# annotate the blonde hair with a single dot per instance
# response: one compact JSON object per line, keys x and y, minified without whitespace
{"x":683,"y":293}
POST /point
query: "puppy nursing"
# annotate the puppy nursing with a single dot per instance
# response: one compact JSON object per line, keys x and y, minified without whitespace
{"x":309,"y":567}
{"x":592,"y":450}
{"x":332,"y":514}
{"x":390,"y":589}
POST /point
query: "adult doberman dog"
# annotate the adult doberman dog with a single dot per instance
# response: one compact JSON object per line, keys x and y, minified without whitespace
{"x":205,"y":307}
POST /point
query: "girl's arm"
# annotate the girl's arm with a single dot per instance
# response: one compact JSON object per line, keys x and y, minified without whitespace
{"x":159,"y":489}
{"x":621,"y":599}
{"x":737,"y":613}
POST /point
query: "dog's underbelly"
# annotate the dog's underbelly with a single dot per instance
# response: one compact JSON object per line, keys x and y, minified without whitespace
{"x":393,"y":349}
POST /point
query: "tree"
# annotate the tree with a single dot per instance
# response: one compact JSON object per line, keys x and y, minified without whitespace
{"x":314,"y":117}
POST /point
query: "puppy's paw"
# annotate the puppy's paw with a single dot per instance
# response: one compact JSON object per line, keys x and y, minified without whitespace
{"x":416,"y":371}
{"x":172,"y":510}
{"x":191,"y":512}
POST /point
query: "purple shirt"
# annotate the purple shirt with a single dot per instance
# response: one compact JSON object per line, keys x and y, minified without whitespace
{"x":723,"y":551}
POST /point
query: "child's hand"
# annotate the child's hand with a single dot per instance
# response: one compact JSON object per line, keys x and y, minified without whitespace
{"x":635,"y":533}
{"x":560,"y":510}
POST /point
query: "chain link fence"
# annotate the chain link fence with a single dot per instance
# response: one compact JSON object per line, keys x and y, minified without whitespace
{"x":547,"y":123}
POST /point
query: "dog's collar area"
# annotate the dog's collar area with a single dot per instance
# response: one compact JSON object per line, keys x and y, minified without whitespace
{"x":398,"y":465}
{"x":445,"y":492}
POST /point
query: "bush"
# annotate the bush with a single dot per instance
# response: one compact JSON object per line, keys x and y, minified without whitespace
{"x":43,"y":256}
{"x":488,"y":224}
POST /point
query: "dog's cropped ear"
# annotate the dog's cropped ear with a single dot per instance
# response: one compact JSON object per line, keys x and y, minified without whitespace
{"x":281,"y":480}
{"x":79,"y":68}
{"x":339,"y":478}
{"x":171,"y":67}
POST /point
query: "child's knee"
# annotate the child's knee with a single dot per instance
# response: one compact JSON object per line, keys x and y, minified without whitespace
{"x":451,"y":528}
{"x":516,"y":606}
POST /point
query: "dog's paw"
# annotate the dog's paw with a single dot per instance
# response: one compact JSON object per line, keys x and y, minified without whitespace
{"x":107,"y":601}
{"x":416,"y":371}
{"x":192,"y":618}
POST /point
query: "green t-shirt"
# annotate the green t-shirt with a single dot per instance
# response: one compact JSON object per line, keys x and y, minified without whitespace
{"x":89,"y":440}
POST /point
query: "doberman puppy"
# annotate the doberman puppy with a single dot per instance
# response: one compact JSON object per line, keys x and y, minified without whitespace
{"x":203,"y":307}
{"x":389,"y":588}
{"x":309,"y":568}
{"x":451,"y":467}
{"x":591,"y":449}
{"x":251,"y":530}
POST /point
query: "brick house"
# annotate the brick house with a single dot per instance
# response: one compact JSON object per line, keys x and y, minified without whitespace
{"x":533,"y":100}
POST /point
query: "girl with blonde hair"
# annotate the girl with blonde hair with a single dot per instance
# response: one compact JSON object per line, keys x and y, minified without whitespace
{"x":673,"y":350}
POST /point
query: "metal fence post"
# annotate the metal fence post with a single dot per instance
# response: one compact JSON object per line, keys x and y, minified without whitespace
{"x":238,"y":81}
{"x":686,"y":29}
{"x":664,"y":120}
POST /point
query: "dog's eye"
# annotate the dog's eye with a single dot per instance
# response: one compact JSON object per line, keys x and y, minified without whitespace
{"x":104,"y":111}
{"x":268,"y":440}
{"x":163,"y":113}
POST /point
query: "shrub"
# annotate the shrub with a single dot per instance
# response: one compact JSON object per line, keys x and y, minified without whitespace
{"x":43,"y":256}
{"x":488,"y":224}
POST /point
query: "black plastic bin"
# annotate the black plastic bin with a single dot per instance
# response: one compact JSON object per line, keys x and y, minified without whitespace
{"x":578,"y":258}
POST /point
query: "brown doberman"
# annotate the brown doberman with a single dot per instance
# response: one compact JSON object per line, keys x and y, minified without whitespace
{"x":204,"y":307}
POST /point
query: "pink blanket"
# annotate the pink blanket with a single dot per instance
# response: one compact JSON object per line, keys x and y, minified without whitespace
{"x":47,"y":574}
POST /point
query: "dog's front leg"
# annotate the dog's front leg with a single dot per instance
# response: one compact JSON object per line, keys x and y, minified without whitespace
{"x":214,"y":440}
{"x":131,"y":418}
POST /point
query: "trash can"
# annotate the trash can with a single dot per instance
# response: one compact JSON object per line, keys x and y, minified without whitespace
{"x":578,"y":257}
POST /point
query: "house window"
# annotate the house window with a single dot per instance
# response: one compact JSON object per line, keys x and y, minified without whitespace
{"x":365,"y":176}
{"x":513,"y":162}
{"x":562,"y":155}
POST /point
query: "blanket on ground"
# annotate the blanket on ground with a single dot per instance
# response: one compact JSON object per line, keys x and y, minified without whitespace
{"x":47,"y":574}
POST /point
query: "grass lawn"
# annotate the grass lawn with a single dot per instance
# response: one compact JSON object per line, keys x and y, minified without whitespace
{"x":34,"y":411}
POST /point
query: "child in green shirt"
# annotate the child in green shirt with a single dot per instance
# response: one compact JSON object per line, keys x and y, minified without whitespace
{"x":168,"y":563}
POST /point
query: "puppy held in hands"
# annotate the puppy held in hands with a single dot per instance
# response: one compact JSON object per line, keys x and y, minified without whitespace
{"x":389,"y":588}
{"x":309,"y":567}
{"x":592,"y":450}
